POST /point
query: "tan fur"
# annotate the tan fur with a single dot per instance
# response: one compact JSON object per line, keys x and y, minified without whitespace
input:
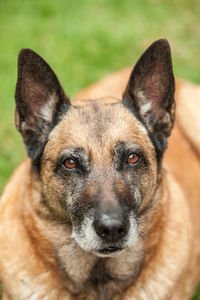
{"x":37,"y":254}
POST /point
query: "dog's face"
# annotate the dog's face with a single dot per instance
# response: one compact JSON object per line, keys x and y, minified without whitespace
{"x":99,"y":168}
{"x":98,"y":161}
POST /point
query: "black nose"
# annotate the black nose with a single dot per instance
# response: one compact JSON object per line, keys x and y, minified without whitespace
{"x":110,"y":226}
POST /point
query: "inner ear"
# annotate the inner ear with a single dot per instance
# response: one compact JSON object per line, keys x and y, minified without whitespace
{"x":150,"y":91}
{"x":40,"y":101}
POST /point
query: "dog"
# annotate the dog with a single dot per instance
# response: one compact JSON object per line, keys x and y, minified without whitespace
{"x":98,"y":210}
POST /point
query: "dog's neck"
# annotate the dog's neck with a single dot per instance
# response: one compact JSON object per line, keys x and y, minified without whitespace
{"x":85,"y":274}
{"x":89,"y":274}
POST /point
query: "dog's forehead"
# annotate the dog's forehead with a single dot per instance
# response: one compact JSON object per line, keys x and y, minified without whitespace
{"x":99,"y":124}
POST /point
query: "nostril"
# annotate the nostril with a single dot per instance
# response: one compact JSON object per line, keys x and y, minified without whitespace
{"x":104,"y":232}
{"x":121,"y":232}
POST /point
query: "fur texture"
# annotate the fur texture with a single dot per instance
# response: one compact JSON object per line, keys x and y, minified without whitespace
{"x":103,"y":216}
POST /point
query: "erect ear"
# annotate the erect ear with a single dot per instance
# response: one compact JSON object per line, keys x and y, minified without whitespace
{"x":150,"y":92}
{"x":40,"y":101}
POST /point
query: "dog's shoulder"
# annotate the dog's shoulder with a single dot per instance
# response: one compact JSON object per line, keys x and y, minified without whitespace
{"x":15,"y":184}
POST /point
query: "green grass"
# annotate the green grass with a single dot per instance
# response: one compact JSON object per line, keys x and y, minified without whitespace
{"x":83,"y":40}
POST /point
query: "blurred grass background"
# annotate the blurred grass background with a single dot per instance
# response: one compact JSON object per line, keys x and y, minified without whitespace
{"x":83,"y":40}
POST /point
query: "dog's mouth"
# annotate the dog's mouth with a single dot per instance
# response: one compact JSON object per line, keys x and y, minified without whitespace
{"x":110,"y":250}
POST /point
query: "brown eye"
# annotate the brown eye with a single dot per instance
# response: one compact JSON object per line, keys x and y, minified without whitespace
{"x":70,"y":163}
{"x":133,"y":158}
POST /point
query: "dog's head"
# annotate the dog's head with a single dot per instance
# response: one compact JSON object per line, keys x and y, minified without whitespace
{"x":98,"y":161}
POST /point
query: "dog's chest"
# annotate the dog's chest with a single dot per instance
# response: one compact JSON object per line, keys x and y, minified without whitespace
{"x":102,"y":284}
{"x":90,"y":277}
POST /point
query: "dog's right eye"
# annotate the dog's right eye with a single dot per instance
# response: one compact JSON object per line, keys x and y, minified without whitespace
{"x":69,"y":163}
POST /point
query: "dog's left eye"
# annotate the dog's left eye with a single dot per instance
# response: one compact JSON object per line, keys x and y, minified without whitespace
{"x":133,"y":159}
{"x":69,"y":163}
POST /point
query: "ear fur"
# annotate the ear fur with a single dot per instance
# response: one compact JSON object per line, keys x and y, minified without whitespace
{"x":40,"y":101}
{"x":150,"y":93}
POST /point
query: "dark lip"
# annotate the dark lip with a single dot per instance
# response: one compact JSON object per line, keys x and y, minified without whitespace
{"x":109,"y":250}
